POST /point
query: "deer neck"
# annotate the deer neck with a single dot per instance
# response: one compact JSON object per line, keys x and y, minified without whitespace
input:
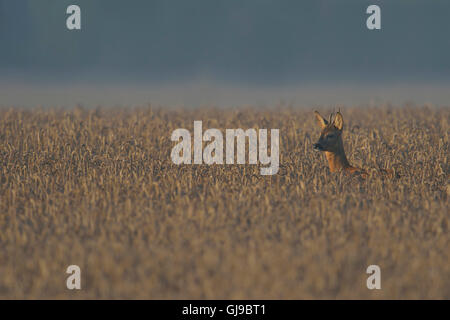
{"x":336,"y":159}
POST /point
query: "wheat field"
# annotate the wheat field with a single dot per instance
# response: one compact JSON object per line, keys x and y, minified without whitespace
{"x":97,"y":188}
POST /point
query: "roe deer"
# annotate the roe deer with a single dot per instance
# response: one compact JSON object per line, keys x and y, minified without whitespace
{"x":330,"y":142}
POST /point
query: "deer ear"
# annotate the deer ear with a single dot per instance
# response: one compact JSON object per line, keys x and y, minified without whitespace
{"x":338,"y":121}
{"x":320,"y":120}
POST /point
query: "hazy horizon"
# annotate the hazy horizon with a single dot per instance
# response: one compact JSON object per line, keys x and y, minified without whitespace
{"x":203,"y":93}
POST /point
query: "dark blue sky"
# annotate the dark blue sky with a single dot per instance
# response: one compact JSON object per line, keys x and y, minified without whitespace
{"x":261,"y":41}
{"x":310,"y":51}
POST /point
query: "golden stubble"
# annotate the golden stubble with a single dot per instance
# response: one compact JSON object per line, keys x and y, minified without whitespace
{"x":97,"y":188}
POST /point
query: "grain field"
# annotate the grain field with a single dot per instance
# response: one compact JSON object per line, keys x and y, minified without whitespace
{"x":97,"y":188}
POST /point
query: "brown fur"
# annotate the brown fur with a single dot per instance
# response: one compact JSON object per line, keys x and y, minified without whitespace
{"x":331,"y":143}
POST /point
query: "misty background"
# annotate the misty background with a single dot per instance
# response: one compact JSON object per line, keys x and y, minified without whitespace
{"x":224,"y":52}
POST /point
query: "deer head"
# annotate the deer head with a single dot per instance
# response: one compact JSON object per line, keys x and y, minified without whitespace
{"x":330,"y":142}
{"x":331,"y":135}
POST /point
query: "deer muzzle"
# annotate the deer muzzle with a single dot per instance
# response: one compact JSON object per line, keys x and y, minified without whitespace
{"x":318,"y":147}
